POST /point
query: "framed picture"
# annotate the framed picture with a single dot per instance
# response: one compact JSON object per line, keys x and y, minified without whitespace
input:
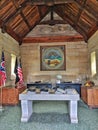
{"x":52,"y":58}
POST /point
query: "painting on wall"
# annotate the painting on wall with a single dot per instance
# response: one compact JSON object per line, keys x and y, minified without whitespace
{"x":52,"y":58}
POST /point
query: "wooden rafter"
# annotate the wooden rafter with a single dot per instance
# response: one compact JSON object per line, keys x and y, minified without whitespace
{"x":41,"y":16}
{"x":82,"y":7}
{"x":51,"y":39}
{"x":62,"y":14}
{"x":19,"y":17}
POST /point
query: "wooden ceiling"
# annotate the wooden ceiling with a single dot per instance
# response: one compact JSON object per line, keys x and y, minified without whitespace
{"x":19,"y":17}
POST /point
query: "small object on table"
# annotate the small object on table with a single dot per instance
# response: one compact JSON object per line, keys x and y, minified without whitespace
{"x":46,"y":89}
{"x":51,"y":91}
{"x":37,"y":81}
{"x":32,"y":88}
{"x":37,"y":91}
{"x":25,"y":91}
{"x":60,"y":90}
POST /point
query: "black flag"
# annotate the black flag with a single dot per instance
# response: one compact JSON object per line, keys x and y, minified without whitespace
{"x":16,"y":71}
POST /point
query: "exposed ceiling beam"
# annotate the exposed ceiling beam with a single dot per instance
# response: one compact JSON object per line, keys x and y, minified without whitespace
{"x":18,"y":18}
{"x":64,"y":16}
{"x":50,"y":2}
{"x":52,"y":39}
{"x":87,"y":10}
{"x":19,"y":8}
{"x":3,"y":3}
{"x":92,"y":31}
{"x":13,"y":34}
{"x":41,"y":16}
{"x":53,"y":21}
{"x":82,"y":7}
{"x":10,"y":17}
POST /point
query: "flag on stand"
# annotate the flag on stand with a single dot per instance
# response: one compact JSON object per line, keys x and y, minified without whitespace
{"x":2,"y":70}
{"x":18,"y":72}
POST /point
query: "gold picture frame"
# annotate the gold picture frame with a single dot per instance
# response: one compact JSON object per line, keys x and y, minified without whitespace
{"x":52,"y":58}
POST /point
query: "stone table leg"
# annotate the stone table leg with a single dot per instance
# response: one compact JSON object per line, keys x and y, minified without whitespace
{"x":27,"y":110}
{"x":73,"y":111}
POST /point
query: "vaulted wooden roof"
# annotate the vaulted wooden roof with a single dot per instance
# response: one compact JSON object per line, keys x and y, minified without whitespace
{"x":19,"y":17}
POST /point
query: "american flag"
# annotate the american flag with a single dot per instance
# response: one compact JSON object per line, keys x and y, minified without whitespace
{"x":20,"y":74}
{"x":2,"y":70}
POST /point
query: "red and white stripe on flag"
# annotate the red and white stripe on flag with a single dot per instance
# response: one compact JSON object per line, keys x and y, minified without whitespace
{"x":20,"y":74}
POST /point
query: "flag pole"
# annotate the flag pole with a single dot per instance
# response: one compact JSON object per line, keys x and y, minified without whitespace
{"x":1,"y":107}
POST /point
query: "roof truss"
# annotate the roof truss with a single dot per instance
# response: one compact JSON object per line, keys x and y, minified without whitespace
{"x":18,"y":18}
